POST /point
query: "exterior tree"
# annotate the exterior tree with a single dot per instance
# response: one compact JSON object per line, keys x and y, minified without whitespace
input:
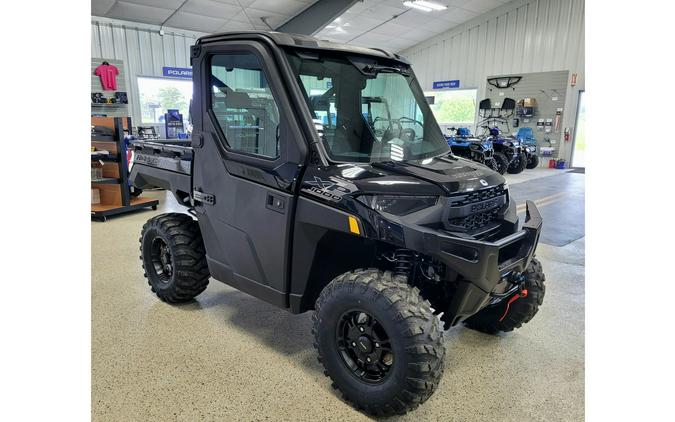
{"x":171,"y":97}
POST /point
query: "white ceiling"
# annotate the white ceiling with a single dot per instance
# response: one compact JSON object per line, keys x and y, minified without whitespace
{"x":406,"y":30}
{"x":358,"y":26}
{"x":203,"y":15}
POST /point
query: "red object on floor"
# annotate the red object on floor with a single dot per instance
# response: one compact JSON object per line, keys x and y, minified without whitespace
{"x":551,"y":164}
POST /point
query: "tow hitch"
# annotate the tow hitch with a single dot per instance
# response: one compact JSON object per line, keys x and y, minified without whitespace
{"x":522,"y":292}
{"x":516,"y":292}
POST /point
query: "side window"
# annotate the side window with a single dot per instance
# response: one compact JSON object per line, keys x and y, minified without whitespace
{"x":243,"y":104}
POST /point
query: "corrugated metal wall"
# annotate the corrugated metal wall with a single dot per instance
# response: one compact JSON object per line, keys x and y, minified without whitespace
{"x":142,"y":49}
{"x":520,"y":37}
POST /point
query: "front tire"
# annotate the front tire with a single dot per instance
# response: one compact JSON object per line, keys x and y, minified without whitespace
{"x":501,"y":162}
{"x":398,"y":361}
{"x":518,"y":164}
{"x":174,"y":257}
{"x":505,"y":316}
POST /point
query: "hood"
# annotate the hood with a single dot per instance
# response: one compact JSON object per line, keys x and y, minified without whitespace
{"x":449,"y":173}
{"x":443,"y":176}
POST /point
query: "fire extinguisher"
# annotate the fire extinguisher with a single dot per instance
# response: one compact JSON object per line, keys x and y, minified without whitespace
{"x":567,"y":134}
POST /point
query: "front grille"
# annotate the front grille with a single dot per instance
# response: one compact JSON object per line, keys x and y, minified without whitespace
{"x":475,"y":221}
{"x":482,"y":222}
{"x":477,"y":196}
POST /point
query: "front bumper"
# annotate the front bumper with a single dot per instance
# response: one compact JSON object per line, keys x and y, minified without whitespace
{"x":485,"y":267}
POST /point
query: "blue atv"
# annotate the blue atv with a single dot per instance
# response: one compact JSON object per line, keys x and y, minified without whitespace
{"x":508,"y":151}
{"x":529,"y":143}
{"x":465,"y":145}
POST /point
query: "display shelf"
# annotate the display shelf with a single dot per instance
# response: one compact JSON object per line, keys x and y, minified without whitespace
{"x":102,"y":138}
{"x":106,"y":180}
{"x":109,"y":105}
{"x":114,"y":191}
{"x":104,"y":158}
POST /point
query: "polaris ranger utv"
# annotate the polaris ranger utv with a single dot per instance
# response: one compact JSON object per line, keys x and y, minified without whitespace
{"x":383,"y":235}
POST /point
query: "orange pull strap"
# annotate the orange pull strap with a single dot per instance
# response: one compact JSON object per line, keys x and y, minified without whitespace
{"x":522,"y":293}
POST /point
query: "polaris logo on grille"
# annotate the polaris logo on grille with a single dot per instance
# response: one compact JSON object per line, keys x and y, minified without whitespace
{"x":485,"y":205}
{"x":483,"y":182}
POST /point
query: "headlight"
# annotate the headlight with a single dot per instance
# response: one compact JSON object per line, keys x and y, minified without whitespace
{"x":527,"y":149}
{"x":398,"y":205}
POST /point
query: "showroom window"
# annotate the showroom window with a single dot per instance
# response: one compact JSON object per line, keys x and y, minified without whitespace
{"x":243,"y":104}
{"x":161,"y":94}
{"x":452,"y":107}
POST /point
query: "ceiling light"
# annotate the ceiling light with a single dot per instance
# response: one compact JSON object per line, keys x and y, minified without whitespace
{"x":431,"y":5}
{"x":417,"y":6}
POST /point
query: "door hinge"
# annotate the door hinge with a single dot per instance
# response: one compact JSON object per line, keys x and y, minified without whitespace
{"x":204,"y":198}
{"x":195,"y":51}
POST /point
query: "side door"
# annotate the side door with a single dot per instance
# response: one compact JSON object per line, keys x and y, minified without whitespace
{"x":248,"y":154}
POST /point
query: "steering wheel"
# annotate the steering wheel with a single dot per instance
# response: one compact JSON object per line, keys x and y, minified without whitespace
{"x":406,"y":119}
{"x":408,"y":135}
{"x":380,"y":131}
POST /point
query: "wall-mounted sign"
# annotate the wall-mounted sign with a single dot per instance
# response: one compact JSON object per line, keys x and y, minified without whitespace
{"x":446,"y":84}
{"x":177,"y":72}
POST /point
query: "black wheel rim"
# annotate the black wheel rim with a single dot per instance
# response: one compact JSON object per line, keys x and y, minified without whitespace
{"x":162,"y":261}
{"x":364,"y":346}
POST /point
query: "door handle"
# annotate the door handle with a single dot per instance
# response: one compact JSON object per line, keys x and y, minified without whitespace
{"x":197,"y":140}
{"x":276,"y":203}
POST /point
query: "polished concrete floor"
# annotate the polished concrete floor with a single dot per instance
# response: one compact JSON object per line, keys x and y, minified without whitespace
{"x":228,"y":356}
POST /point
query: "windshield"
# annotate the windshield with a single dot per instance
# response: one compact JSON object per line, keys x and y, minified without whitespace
{"x":367,"y":111}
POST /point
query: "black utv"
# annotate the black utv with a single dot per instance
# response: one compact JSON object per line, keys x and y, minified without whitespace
{"x":367,"y":220}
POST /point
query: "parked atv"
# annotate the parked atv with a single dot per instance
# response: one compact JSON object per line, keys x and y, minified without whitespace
{"x":529,"y":142}
{"x":463,"y":144}
{"x":382,"y":236}
{"x":509,"y":154}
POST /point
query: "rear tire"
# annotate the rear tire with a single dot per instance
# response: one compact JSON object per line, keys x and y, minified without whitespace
{"x":492,"y":164}
{"x":173,"y":257}
{"x":533,"y":162}
{"x":519,"y":312}
{"x":501,"y":162}
{"x":518,"y":164}
{"x":407,"y":363}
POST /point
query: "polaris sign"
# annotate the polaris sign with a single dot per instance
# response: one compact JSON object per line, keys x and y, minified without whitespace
{"x":177,"y":72}
{"x":446,"y":84}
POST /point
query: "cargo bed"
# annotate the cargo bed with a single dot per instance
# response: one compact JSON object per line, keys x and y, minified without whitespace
{"x":163,"y":163}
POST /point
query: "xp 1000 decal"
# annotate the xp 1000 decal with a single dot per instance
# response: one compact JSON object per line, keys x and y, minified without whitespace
{"x":332,"y":189}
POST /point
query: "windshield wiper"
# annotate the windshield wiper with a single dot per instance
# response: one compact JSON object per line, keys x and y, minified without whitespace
{"x":375,"y":69}
{"x":370,"y":67}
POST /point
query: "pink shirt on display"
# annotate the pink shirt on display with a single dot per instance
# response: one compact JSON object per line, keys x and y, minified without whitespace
{"x":108,"y":74}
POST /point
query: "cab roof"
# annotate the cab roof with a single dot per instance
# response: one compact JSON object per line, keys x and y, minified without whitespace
{"x":300,"y":41}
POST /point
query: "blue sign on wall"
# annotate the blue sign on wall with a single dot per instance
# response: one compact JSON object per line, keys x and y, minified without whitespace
{"x":446,"y":84}
{"x":177,"y":72}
